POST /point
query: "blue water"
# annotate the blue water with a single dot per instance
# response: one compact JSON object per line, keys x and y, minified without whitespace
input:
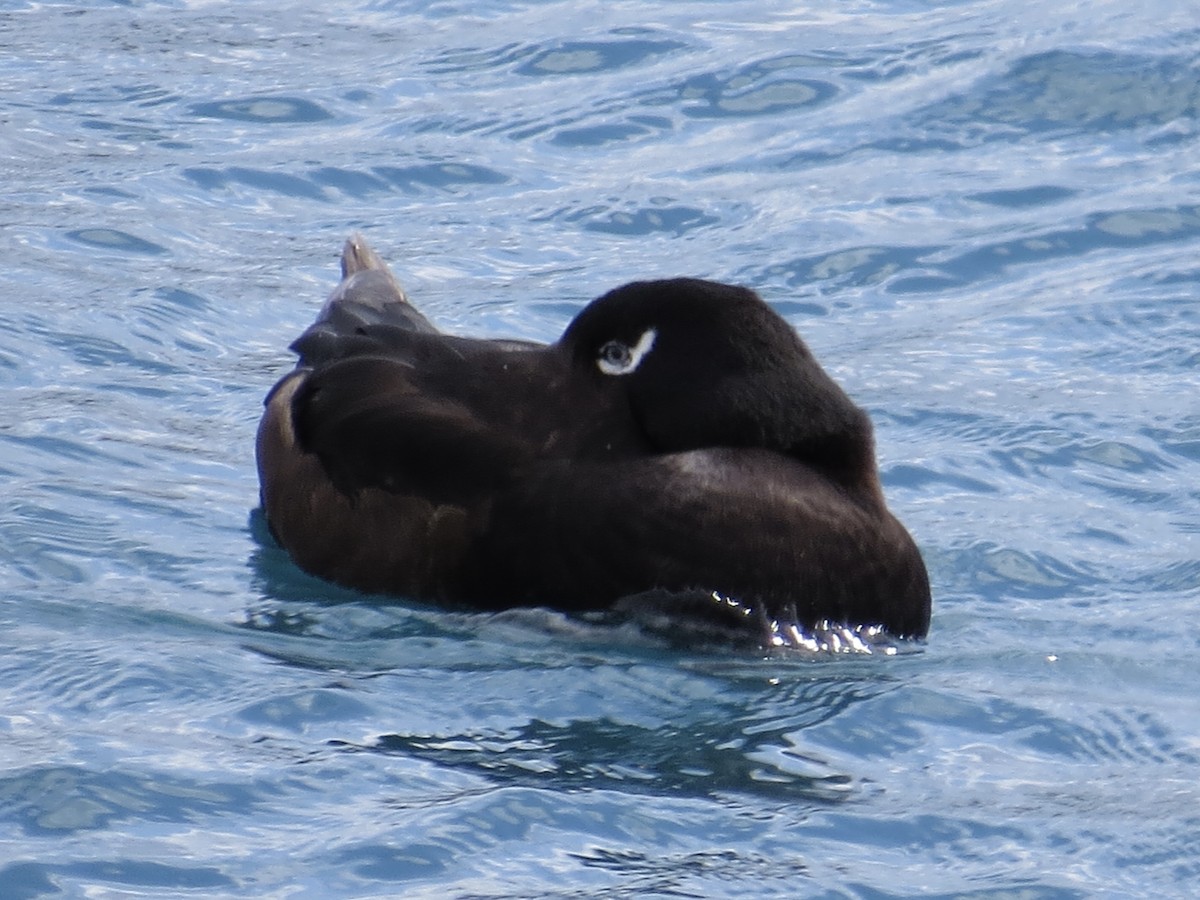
{"x":984,"y":216}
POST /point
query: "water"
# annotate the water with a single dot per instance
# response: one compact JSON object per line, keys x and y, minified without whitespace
{"x":984,"y":217}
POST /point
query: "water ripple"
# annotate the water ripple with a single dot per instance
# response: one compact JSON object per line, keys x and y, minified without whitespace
{"x":263,"y":110}
{"x":985,"y":220}
{"x":48,"y":800}
{"x":112,"y":239}
{"x":1078,"y":91}
{"x":577,"y":57}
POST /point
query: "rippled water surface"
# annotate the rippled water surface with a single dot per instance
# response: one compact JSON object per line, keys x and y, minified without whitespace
{"x":984,"y":217}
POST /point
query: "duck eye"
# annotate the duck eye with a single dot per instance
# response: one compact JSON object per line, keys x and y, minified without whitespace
{"x":614,"y":358}
{"x":618,"y":358}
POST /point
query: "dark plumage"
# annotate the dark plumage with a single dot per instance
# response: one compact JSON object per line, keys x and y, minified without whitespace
{"x":678,"y":440}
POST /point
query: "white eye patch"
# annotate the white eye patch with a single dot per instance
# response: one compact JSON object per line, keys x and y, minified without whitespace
{"x":618,"y":358}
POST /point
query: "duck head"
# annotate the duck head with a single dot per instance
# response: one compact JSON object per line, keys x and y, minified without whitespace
{"x":705,"y":365}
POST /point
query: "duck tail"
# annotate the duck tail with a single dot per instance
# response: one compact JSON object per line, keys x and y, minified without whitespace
{"x":357,"y":256}
{"x":369,"y":297}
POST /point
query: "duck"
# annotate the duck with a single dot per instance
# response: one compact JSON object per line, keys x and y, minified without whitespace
{"x":678,"y":451}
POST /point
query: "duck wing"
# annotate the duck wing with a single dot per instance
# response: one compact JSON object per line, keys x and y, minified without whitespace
{"x":382,"y":422}
{"x":373,"y":449}
{"x":387,"y":401}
